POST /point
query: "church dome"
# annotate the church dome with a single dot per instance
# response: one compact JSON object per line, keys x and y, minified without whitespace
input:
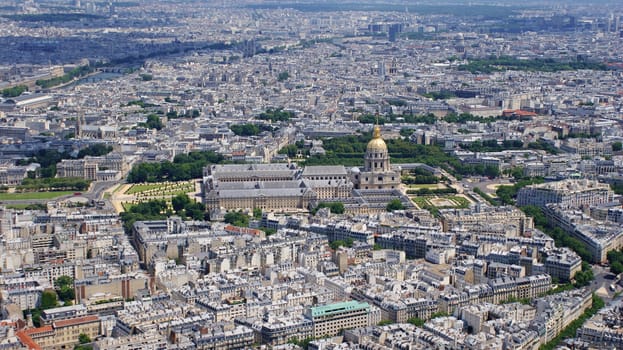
{"x":376,"y":144}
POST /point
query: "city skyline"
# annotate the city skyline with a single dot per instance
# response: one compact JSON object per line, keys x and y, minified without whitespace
{"x":311,"y":174}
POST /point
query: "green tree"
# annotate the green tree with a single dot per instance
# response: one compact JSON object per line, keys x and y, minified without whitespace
{"x":416,"y":321}
{"x":290,"y":150}
{"x":439,"y":314}
{"x":502,"y":63}
{"x":151,"y":210}
{"x":616,"y":267}
{"x":283,"y":76}
{"x":406,"y":132}
{"x":195,"y":211}
{"x":257,"y":213}
{"x":84,"y":338}
{"x":585,"y":276}
{"x":36,"y":316}
{"x":337,"y":207}
{"x":248,"y":129}
{"x":571,"y":330}
{"x":48,"y":300}
{"x":14,"y":91}
{"x":617,"y":146}
{"x":334,"y":207}
{"x":536,"y":213}
{"x":516,"y":172}
{"x":302,"y":343}
{"x":69,"y":76}
{"x":180,"y":201}
{"x":96,"y":150}
{"x":237,"y":219}
{"x":63,"y":281}
{"x":276,"y":115}
{"x":64,"y":286}
{"x":153,"y":122}
{"x":394,"y":204}
{"x":341,"y":243}
{"x":492,"y":171}
{"x":440,"y":95}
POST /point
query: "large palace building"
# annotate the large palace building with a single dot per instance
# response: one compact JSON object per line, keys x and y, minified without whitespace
{"x":287,"y":187}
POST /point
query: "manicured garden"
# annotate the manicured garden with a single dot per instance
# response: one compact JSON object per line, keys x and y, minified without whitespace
{"x":441,"y":202}
{"x":160,"y":189}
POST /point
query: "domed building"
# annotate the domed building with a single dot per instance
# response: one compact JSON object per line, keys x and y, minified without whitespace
{"x":377,"y":173}
{"x":286,"y":187}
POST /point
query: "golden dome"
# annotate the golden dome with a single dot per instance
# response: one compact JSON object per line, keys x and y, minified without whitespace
{"x":376,"y":144}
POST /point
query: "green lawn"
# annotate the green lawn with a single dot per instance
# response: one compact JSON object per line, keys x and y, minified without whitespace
{"x":26,"y":206}
{"x":33,"y":195}
{"x":457,"y":201}
{"x":431,"y":186}
{"x":17,"y":206}
{"x":143,"y":187}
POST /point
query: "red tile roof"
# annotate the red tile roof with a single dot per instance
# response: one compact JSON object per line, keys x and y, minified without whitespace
{"x":518,"y":112}
{"x":27,"y":340}
{"x":75,"y":321}
{"x":236,"y":229}
{"x":43,"y":329}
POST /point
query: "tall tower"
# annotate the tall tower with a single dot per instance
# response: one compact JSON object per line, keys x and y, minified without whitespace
{"x":380,"y":68}
{"x":79,"y":126}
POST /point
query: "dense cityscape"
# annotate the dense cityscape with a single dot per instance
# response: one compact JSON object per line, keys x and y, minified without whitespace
{"x":311,"y":175}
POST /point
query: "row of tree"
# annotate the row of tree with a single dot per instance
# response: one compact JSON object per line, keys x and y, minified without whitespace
{"x":500,"y":64}
{"x":440,"y":95}
{"x":508,"y":194}
{"x":492,"y":145}
{"x":348,"y":151}
{"x":563,"y":239}
{"x":53,"y":184}
{"x":249,"y":129}
{"x":428,"y":118}
{"x":96,"y":150}
{"x":195,"y":113}
{"x":66,"y":78}
{"x":184,"y":167}
{"x":571,"y":330}
{"x":14,"y":91}
{"x":432,"y":191}
{"x":276,"y":115}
